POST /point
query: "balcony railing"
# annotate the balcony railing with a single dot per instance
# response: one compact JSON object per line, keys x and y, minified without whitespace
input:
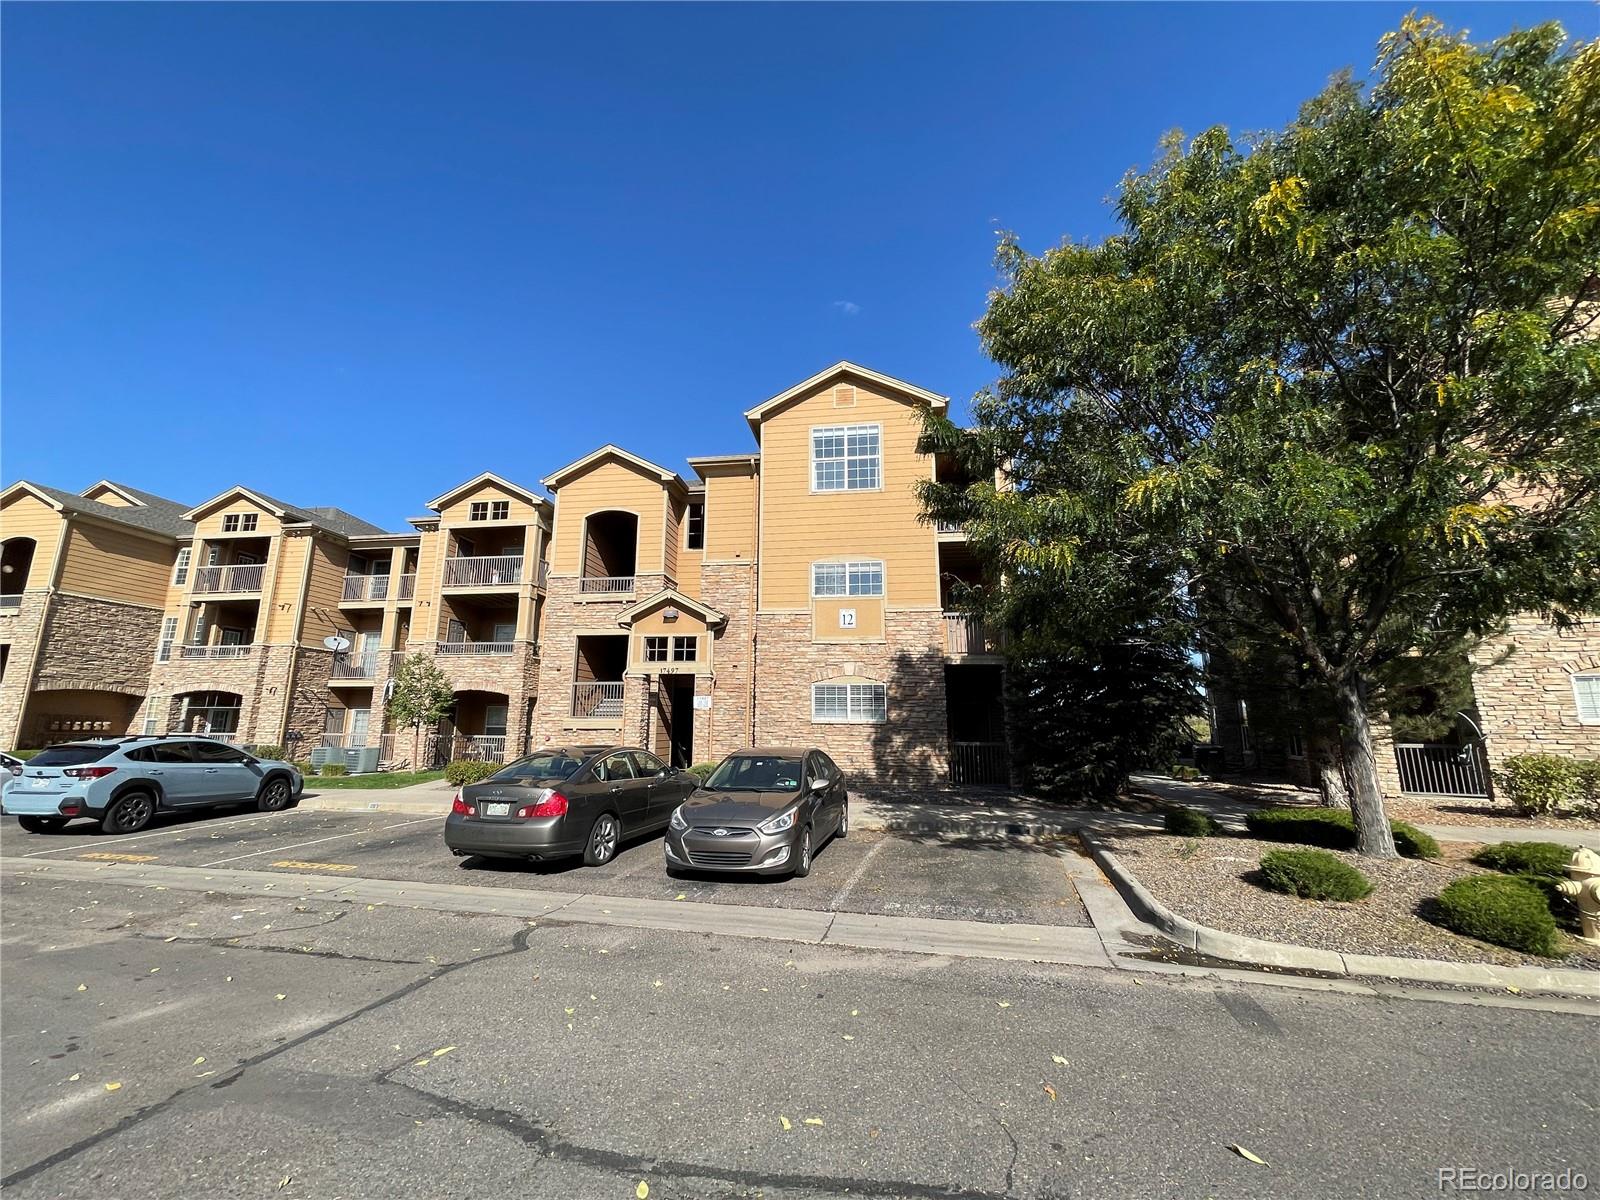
{"x":484,"y":747}
{"x":949,"y":527}
{"x":243,"y":578}
{"x":483,"y":572}
{"x":366,"y":587}
{"x":602,"y":700}
{"x":476,"y":647}
{"x":965,"y":635}
{"x":600,"y":585}
{"x":10,"y":603}
{"x":357,"y":666}
{"x":408,"y":586}
{"x":216,"y":651}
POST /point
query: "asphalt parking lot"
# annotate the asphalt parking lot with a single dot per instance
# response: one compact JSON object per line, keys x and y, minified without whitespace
{"x":1003,"y":881}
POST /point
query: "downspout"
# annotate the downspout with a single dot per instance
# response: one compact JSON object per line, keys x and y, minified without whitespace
{"x":294,"y":637}
{"x":755,"y":606}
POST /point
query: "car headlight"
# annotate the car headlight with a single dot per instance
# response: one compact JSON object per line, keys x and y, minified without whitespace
{"x":784,"y":820}
{"x":677,"y":821}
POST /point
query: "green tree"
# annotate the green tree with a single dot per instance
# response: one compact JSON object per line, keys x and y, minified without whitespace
{"x":1343,"y":374}
{"x":421,"y":696}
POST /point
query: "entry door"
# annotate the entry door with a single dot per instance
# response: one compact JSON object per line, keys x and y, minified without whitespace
{"x":357,"y":728}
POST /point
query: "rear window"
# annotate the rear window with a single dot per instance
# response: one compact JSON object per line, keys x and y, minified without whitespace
{"x":69,"y":755}
{"x":539,"y":766}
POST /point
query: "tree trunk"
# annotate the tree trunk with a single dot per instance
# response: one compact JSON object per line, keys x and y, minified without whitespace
{"x":1322,"y":747}
{"x":1361,"y":766}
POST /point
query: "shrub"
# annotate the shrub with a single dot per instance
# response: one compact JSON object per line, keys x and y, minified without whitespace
{"x":463,"y":771}
{"x":702,"y":771}
{"x":1333,"y":828}
{"x":1502,"y":909}
{"x":304,"y":767}
{"x":1190,"y":822}
{"x":333,"y":770}
{"x":1539,"y":784}
{"x":1313,"y":874}
{"x":267,"y":751}
{"x":1184,"y":772}
{"x":23,"y":754}
{"x":1526,"y":858}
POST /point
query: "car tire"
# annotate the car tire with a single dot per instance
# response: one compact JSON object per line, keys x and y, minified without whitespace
{"x":604,"y":836}
{"x":274,"y":796}
{"x":42,"y":824}
{"x":803,"y":851}
{"x":128,"y":813}
{"x":844,"y":820}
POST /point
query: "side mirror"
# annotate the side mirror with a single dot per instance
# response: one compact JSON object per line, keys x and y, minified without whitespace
{"x":819,"y":784}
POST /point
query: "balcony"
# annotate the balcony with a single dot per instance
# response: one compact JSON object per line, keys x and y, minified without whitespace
{"x":408,"y":586}
{"x":606,"y":585}
{"x":246,"y":577}
{"x":474,"y":648}
{"x":10,"y":604}
{"x":216,"y":651}
{"x":358,"y":588}
{"x":499,"y":570}
{"x":968,"y":637}
{"x":602,"y":701}
{"x":950,"y":530}
{"x":356,"y":668}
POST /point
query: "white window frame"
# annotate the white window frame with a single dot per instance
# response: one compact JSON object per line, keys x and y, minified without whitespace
{"x":855,"y":578}
{"x":845,"y":458}
{"x":168,"y":638}
{"x":864,"y":703}
{"x":180,"y":569}
{"x":1586,"y":696}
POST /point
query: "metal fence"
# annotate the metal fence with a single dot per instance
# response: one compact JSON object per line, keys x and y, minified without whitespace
{"x":603,"y":700}
{"x":1442,"y":770}
{"x":964,"y":635}
{"x":598,"y":585}
{"x":366,"y":587}
{"x":214,"y":580}
{"x":484,"y":571}
{"x":979,"y":762}
{"x":476,"y":647}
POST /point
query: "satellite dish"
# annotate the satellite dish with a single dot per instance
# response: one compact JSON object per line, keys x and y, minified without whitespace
{"x":336,"y":643}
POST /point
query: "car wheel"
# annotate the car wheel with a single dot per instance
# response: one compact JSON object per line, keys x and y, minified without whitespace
{"x":601,"y":847}
{"x":274,"y":796}
{"x":802,"y":860}
{"x":42,"y":824}
{"x":844,"y":819}
{"x":129,"y":813}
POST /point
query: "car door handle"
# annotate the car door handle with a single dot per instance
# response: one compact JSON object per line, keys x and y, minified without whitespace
{"x":616,"y":787}
{"x":212,"y":770}
{"x":158,"y":772}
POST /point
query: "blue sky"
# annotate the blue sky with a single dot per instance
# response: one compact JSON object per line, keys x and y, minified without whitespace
{"x":355,"y":254}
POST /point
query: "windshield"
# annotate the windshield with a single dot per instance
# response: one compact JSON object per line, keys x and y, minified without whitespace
{"x":548,"y":765}
{"x":69,"y":756}
{"x":756,"y":773}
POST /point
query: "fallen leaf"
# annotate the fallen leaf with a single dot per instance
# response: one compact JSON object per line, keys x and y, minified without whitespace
{"x":1245,"y":1154}
{"x":642,"y":1190}
{"x":855,"y":1012}
{"x":74,"y":1077}
{"x":1049,"y":1091}
{"x":1513,"y":989}
{"x":782,"y":1120}
{"x":681,"y":896}
{"x":657,"y":983}
{"x":848,"y":1037}
{"x":283,"y":1183}
{"x":570,"y":1011}
{"x":1003,"y":1003}
{"x":280,"y":996}
{"x":153,"y":970}
{"x":229,"y":979}
{"x":198,"y":1061}
{"x":1058,"y":1060}
{"x":111,"y":1087}
{"x":170,"y":939}
{"x":205,"y":1074}
{"x":443,"y":1050}
{"x":813,"y":1120}
{"x":83,"y":987}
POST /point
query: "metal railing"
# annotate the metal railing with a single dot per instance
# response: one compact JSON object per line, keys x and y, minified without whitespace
{"x":602,"y":700}
{"x":597,"y":585}
{"x":1442,"y":770}
{"x":979,"y":763}
{"x":366,"y":587}
{"x":949,"y":527}
{"x":476,"y":647}
{"x":243,"y":578}
{"x":968,"y":635}
{"x":408,"y":586}
{"x":244,"y":651}
{"x":10,"y":602}
{"x":481,"y":746}
{"x":483,"y":572}
{"x":357,"y":666}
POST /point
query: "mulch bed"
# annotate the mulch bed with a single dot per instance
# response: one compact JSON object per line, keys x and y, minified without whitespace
{"x":1209,"y":881}
{"x":1445,"y":811}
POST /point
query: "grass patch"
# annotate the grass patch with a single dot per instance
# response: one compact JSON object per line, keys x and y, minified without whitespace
{"x":378,"y":779}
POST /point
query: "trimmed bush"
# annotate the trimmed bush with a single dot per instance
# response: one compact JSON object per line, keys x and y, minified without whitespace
{"x":1334,"y":828}
{"x":702,"y":771}
{"x":1526,"y":858}
{"x":1503,"y":909}
{"x":1313,"y":875}
{"x":304,"y":767}
{"x":1547,"y":784}
{"x":275,"y":752}
{"x":1190,"y":822}
{"x":334,"y":770}
{"x":463,"y":771}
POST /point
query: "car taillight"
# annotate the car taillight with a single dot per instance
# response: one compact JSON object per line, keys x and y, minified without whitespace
{"x":460,"y":807}
{"x":88,"y":772}
{"x":553,"y":805}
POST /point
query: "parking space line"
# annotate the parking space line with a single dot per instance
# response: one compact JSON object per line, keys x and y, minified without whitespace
{"x":318,"y":841}
{"x":855,"y":876}
{"x":184,"y":828}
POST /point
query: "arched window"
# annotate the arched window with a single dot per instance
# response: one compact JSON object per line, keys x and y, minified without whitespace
{"x":16,"y":562}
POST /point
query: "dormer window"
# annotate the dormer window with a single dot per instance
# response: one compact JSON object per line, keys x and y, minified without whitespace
{"x":239,"y":523}
{"x":489,"y":510}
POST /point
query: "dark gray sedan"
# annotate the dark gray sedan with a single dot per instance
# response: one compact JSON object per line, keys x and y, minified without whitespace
{"x":566,"y":801}
{"x":762,"y":811}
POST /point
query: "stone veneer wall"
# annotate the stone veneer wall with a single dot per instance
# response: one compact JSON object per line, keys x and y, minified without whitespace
{"x":1525,"y":699}
{"x":20,"y":629}
{"x":514,"y":676}
{"x":730,"y":588}
{"x":911,"y":747}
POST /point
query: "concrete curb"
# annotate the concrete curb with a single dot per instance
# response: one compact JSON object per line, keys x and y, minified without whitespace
{"x":1215,"y":943}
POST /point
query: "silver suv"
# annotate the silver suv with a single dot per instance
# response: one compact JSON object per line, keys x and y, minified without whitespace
{"x":123,"y":782}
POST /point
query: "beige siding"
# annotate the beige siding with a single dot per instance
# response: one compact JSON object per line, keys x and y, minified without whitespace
{"x":427,"y":612}
{"x":672,"y":507}
{"x":459,"y":510}
{"x":689,"y":563}
{"x":110,"y":496}
{"x":826,"y":627}
{"x":610,"y":484}
{"x":210,"y":525}
{"x":654,"y":624}
{"x":283,"y":610}
{"x":114,"y":565}
{"x":799,"y":527}
{"x":323,"y":592}
{"x":730,"y":514}
{"x":26,"y":516}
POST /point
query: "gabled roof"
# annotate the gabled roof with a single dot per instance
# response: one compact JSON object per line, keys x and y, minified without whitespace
{"x":701,"y":462}
{"x":334,"y":520}
{"x":127,"y":493}
{"x":556,"y":479}
{"x":439,"y":502}
{"x":154,"y":514}
{"x":843,"y":367}
{"x":677,"y":599}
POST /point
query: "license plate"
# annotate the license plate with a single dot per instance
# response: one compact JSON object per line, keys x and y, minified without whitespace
{"x":40,"y":781}
{"x":497,"y":810}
